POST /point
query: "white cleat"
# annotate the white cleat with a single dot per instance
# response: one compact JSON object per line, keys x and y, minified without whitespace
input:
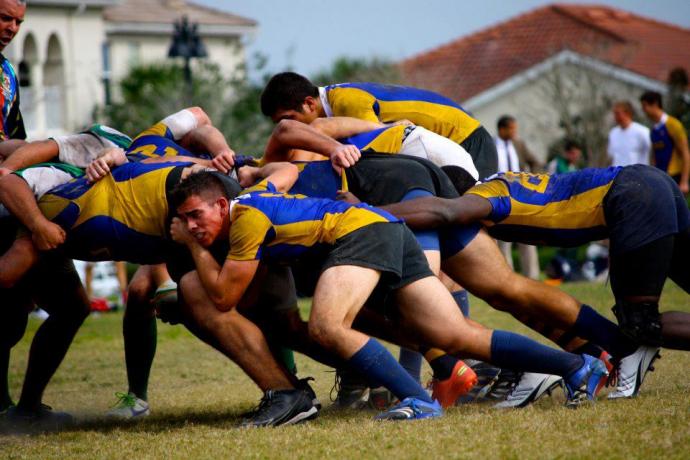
{"x":632,"y":370}
{"x":129,"y":407}
{"x":529,"y":388}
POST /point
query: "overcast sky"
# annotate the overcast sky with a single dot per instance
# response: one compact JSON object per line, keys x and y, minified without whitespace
{"x":308,"y":34}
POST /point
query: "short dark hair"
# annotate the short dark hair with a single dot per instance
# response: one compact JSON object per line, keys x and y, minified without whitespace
{"x":571,"y":144}
{"x":204,"y":183}
{"x":626,"y":106}
{"x":652,"y":97}
{"x":461,"y":179}
{"x":286,"y":91}
{"x":505,"y":121}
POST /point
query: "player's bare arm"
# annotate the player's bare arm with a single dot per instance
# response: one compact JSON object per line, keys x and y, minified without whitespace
{"x":30,"y":154}
{"x":19,"y":199}
{"x":339,"y":127}
{"x":434,"y":212}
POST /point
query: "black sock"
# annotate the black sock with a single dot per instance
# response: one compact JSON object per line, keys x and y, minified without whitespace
{"x":443,"y":366}
{"x":140,"y":335}
{"x":11,"y":332}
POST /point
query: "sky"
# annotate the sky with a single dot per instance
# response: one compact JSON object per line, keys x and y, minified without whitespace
{"x":307,"y":35}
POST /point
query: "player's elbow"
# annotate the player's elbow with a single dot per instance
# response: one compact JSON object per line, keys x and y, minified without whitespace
{"x":284,"y":128}
{"x":201,"y":116}
{"x":223,"y":301}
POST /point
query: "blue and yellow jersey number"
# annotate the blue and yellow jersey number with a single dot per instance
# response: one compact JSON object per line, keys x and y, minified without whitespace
{"x":155,"y":142}
{"x":389,"y":103}
{"x":558,"y":210}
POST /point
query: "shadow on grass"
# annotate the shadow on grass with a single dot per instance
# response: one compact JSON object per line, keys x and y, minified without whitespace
{"x":163,"y":422}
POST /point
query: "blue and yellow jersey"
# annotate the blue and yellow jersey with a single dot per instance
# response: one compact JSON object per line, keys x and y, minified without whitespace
{"x":12,"y":122}
{"x":666,"y":156}
{"x":318,"y":179}
{"x":157,"y":141}
{"x":557,"y":210}
{"x":388,"y":103}
{"x":383,"y":140}
{"x":269,"y":225}
{"x":121,"y":217}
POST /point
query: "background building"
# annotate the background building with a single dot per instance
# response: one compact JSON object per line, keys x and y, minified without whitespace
{"x":556,"y":69}
{"x":69,"y":53}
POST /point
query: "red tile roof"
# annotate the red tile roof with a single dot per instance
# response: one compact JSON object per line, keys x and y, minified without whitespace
{"x":469,"y":65}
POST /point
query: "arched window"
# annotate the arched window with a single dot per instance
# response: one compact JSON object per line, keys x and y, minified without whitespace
{"x":54,"y":85}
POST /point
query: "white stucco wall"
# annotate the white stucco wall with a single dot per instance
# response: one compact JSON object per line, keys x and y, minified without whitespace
{"x":131,"y":49}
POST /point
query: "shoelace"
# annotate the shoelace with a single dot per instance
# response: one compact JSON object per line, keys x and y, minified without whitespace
{"x":335,"y":388}
{"x":262,"y":406}
{"x":124,"y":399}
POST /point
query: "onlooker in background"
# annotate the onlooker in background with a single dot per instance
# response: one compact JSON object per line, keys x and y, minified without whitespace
{"x":12,"y":132}
{"x":509,"y":160}
{"x":629,"y":141}
{"x":669,"y":141}
{"x":568,"y":161}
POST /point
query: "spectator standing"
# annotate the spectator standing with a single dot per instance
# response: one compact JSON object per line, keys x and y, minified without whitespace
{"x":669,"y":141}
{"x":629,"y":141}
{"x":568,"y":161}
{"x":510,"y":160}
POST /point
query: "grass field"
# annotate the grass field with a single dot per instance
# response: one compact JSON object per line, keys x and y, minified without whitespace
{"x":197,"y":395}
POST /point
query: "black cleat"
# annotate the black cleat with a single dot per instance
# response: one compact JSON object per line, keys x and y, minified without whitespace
{"x":352,"y":390}
{"x":303,"y":384}
{"x":281,"y":407}
{"x":45,"y":418}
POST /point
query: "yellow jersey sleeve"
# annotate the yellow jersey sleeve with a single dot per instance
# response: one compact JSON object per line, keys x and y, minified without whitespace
{"x":352,"y":102}
{"x":159,"y":129}
{"x":679,"y":136}
{"x":247,"y":233}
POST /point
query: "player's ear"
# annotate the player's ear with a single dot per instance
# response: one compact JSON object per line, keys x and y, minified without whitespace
{"x":223,"y":205}
{"x":309,"y":105}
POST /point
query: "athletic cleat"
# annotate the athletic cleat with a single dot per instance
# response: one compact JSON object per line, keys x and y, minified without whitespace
{"x":460,"y":382}
{"x":281,"y":407}
{"x":352,"y":391}
{"x":381,"y":399}
{"x":583,"y":383}
{"x":529,"y":388}
{"x":412,"y":409}
{"x":487,"y":376}
{"x":45,"y":418}
{"x":303,"y":384}
{"x":632,"y":370}
{"x":129,"y":407}
{"x":607,"y":360}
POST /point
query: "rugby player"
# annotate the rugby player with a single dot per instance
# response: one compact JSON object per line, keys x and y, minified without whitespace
{"x":639,"y":208}
{"x":360,"y":248}
{"x":291,"y":96}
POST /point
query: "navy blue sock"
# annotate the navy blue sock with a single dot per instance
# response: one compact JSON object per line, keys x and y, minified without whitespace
{"x":463,"y":300}
{"x":411,"y":361}
{"x":514,"y":351}
{"x":380,"y":367}
{"x":592,"y":326}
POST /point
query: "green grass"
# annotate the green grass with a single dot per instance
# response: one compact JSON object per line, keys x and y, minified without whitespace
{"x":197,"y":395}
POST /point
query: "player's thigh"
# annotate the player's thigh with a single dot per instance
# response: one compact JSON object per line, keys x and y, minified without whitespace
{"x":481,"y":269}
{"x":340,"y":293}
{"x":428,"y":311}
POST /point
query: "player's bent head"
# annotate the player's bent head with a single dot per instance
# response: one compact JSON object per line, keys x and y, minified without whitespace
{"x":286,"y":92}
{"x":202,"y":200}
{"x":461,"y":179}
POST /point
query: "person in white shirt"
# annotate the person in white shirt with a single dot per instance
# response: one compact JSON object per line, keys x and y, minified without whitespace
{"x":629,"y":141}
{"x":508,"y":160}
